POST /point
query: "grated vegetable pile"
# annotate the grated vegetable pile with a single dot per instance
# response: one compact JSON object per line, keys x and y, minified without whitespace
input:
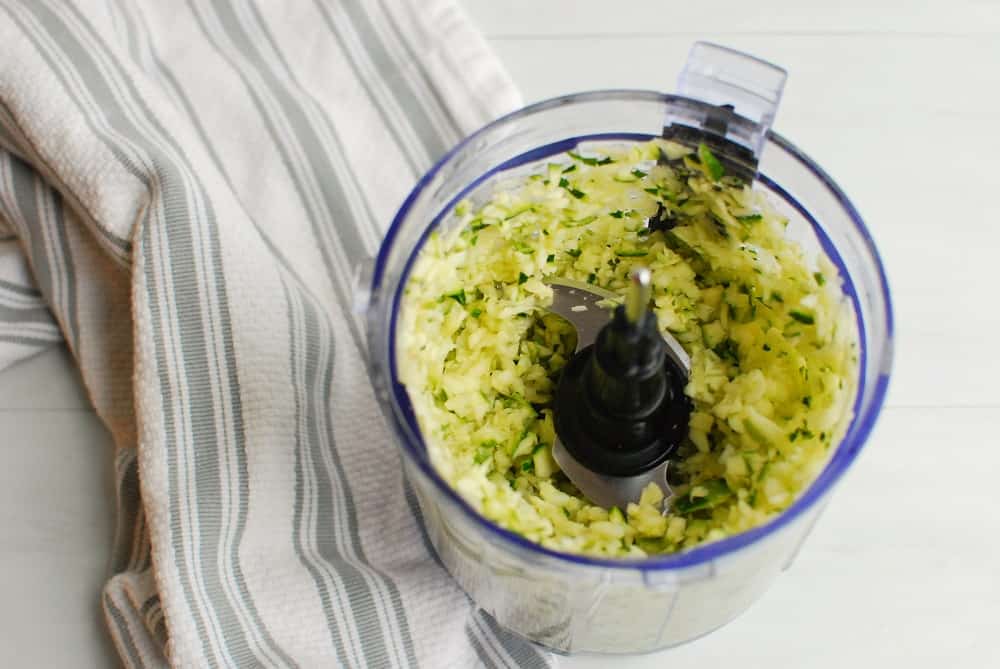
{"x":772,"y":340}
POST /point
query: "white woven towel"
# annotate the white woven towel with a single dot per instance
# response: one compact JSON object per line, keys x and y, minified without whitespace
{"x":186,"y":186}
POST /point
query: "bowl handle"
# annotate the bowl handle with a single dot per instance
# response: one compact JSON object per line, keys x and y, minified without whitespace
{"x":741,"y":83}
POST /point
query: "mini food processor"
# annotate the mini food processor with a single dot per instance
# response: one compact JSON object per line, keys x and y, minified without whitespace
{"x":628,"y":376}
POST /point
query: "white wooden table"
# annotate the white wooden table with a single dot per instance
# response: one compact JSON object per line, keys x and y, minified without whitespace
{"x":899,"y":101}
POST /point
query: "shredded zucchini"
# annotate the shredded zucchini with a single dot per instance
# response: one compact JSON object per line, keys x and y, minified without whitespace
{"x":772,"y":340}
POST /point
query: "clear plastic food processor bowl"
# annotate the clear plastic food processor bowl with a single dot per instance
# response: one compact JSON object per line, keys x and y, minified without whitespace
{"x":572,"y":603}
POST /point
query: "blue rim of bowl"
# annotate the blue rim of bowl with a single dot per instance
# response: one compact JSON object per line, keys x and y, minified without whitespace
{"x":854,"y":439}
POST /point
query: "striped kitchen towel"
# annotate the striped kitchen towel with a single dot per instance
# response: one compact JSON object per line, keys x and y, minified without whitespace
{"x":185,"y":187}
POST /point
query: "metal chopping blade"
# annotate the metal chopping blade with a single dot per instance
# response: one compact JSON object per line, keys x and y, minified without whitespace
{"x":587,"y":308}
